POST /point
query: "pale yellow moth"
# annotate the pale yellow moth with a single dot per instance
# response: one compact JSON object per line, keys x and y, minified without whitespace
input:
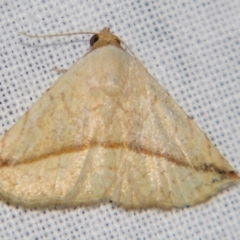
{"x":107,"y":131}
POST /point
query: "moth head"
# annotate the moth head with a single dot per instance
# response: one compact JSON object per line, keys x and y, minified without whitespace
{"x":104,"y":38}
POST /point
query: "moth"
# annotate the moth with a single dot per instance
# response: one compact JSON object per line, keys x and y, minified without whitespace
{"x":107,"y":131}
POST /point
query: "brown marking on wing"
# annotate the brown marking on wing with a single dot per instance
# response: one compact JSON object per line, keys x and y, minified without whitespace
{"x":131,"y":147}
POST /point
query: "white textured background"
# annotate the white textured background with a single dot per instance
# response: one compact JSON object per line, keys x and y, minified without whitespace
{"x":191,"y":47}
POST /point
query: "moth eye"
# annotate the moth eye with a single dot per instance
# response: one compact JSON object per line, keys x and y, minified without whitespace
{"x":94,"y":39}
{"x":118,"y":41}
